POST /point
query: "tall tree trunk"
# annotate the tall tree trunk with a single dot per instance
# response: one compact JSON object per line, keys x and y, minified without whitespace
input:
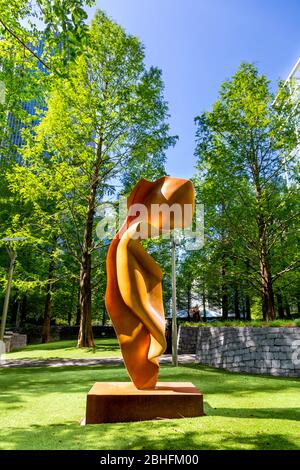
{"x":263,"y":308}
{"x":237,"y":304}
{"x":47,"y":319}
{"x":267,"y":290}
{"x":14,"y":310}
{"x":48,"y":301}
{"x":77,"y":321}
{"x":189,"y":289}
{"x":85,"y":337}
{"x":204,"y":306}
{"x":280,"y":306}
{"x":248,"y":307}
{"x":18,"y":317}
{"x":23,"y":310}
{"x":243,"y":311}
{"x":268,"y":304}
{"x":287,"y":309}
{"x":70,"y":316}
{"x":224,"y":295}
{"x":72,"y":303}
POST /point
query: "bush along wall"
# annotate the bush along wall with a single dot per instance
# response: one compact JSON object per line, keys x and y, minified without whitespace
{"x":273,"y":351}
{"x":57,"y":333}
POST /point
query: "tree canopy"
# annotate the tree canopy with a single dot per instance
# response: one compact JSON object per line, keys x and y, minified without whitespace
{"x":83,"y":119}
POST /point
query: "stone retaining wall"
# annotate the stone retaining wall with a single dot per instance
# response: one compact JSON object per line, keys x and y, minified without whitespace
{"x":57,"y":333}
{"x":14,"y":341}
{"x":187,"y":339}
{"x":266,"y":350}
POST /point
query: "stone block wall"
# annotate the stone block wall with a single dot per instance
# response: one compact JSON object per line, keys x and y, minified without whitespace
{"x":187,"y":339}
{"x":14,"y":341}
{"x":57,"y":333}
{"x":267,"y":350}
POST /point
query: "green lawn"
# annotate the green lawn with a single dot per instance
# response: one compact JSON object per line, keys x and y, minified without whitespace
{"x":40,"y":408}
{"x":105,"y":347}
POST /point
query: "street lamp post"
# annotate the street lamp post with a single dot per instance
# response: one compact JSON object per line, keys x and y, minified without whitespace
{"x":174,"y":303}
{"x":13,"y":255}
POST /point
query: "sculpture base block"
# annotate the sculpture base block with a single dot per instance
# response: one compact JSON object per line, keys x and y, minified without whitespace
{"x":112,"y":402}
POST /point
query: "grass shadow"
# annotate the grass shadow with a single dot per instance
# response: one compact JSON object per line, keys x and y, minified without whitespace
{"x":291,"y":414}
{"x":151,"y":435}
{"x":64,"y":349}
{"x":42,"y":407}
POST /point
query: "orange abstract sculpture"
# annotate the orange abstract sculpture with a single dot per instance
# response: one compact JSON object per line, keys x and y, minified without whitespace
{"x":134,"y":291}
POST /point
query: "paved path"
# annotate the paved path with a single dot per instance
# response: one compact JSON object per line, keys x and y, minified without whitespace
{"x":100,"y":361}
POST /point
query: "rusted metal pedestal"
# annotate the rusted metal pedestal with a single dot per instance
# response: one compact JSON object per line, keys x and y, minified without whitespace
{"x":112,"y":402}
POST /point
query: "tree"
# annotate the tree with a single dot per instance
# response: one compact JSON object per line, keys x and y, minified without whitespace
{"x":59,"y":23}
{"x":101,"y":119}
{"x":243,"y":145}
{"x":55,"y":33}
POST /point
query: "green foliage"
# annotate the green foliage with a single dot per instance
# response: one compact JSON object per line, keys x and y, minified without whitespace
{"x":99,"y":123}
{"x":242,"y":324}
{"x":61,"y":23}
{"x":100,"y":119}
{"x":251,"y":215}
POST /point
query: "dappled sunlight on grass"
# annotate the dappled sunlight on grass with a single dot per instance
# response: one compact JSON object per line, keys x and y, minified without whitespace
{"x":104,"y":347}
{"x":40,"y":408}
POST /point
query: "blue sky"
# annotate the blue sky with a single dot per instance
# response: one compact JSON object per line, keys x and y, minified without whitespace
{"x":200,"y":43}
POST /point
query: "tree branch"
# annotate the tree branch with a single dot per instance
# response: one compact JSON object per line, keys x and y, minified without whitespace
{"x":24,"y":45}
{"x":289,"y":268}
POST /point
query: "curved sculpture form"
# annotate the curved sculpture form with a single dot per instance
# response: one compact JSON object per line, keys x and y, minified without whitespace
{"x":134,"y":290}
